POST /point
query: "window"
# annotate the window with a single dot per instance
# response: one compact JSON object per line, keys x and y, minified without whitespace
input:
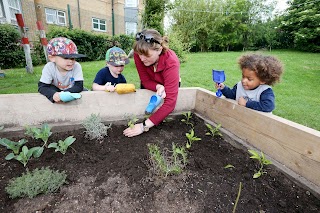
{"x":131,"y":28}
{"x":1,"y":10}
{"x":55,"y":17}
{"x":14,"y":7}
{"x":99,"y":24}
{"x":131,"y":3}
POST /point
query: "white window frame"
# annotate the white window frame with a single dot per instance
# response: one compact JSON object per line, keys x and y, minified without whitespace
{"x":56,"y":16}
{"x":132,"y":3}
{"x":10,"y":7}
{"x":131,"y":28}
{"x":98,"y":21}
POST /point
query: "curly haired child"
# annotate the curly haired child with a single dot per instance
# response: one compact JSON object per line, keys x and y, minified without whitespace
{"x":259,"y":73}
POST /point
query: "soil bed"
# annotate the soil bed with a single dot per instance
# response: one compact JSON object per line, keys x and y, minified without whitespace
{"x":113,"y":176}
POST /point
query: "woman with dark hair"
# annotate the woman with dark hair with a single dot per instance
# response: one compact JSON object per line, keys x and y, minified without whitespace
{"x":158,"y":68}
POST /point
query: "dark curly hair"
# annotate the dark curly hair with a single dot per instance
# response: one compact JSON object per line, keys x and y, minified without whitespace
{"x":267,"y":68}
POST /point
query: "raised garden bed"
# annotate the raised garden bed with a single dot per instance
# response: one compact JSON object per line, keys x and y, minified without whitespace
{"x":113,"y":176}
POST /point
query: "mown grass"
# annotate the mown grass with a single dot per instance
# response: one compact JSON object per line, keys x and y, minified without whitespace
{"x":297,"y":96}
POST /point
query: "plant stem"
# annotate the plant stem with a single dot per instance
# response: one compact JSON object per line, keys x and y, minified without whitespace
{"x":236,"y":203}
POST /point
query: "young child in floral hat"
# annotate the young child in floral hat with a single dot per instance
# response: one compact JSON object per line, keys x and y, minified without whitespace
{"x":62,"y":73}
{"x":111,"y":75}
{"x":254,"y":91}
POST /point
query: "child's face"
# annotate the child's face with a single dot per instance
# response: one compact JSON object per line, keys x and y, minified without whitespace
{"x":116,"y":69}
{"x":250,"y":79}
{"x":63,"y":64}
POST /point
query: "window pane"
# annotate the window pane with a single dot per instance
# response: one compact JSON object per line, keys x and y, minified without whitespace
{"x":103,"y":27}
{"x":14,"y":4}
{"x":102,"y":22}
{"x":95,"y":26}
{"x":131,"y":3}
{"x":1,"y":9}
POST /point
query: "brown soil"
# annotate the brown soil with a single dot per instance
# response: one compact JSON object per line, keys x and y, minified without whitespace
{"x":113,"y":176}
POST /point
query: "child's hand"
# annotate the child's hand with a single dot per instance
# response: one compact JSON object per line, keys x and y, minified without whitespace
{"x":109,"y":87}
{"x":220,"y":85}
{"x":56,"y":97}
{"x":242,"y":101}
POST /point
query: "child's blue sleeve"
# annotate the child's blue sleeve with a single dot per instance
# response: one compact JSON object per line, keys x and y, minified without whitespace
{"x":266,"y":103}
{"x":230,"y":93}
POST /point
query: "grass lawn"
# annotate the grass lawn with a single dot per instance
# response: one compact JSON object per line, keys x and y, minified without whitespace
{"x":297,"y":96}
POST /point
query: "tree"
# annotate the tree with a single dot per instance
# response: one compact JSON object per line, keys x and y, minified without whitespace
{"x":302,"y":24}
{"x":219,"y":24}
{"x":154,"y":14}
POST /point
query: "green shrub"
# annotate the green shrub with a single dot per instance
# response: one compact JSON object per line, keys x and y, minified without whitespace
{"x":94,"y":45}
{"x":31,"y":184}
{"x":95,"y":129}
{"x":177,"y":46}
{"x":11,"y":52}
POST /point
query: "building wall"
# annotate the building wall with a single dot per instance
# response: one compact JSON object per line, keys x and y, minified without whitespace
{"x":28,"y":13}
{"x":81,"y":14}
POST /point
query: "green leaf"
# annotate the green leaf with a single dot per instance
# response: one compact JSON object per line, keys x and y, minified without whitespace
{"x":10,"y":156}
{"x":53,"y":145}
{"x":229,"y":166}
{"x":37,"y":151}
{"x":257,"y":175}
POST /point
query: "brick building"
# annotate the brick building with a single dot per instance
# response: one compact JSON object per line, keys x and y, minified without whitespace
{"x":103,"y":16}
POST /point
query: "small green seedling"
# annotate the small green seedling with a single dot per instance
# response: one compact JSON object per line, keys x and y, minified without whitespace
{"x":42,"y":133}
{"x":213,"y":131}
{"x":163,"y":164}
{"x":263,"y":161}
{"x":167,"y":120}
{"x":62,"y":146}
{"x":26,"y":154}
{"x":14,"y":146}
{"x":187,"y":119}
{"x":132,"y":121}
{"x":229,"y":166}
{"x":191,"y":138}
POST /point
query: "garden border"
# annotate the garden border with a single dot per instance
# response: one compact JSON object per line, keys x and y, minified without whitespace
{"x":294,"y":146}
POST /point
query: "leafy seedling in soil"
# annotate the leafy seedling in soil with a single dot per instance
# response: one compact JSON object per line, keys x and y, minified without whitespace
{"x":62,"y":146}
{"x":187,"y":118}
{"x":163,"y":164}
{"x":14,"y":146}
{"x":213,"y":131}
{"x":191,"y":138}
{"x":42,"y":133}
{"x":132,"y":121}
{"x":24,"y":156}
{"x":95,"y":129}
{"x":39,"y":181}
{"x":263,"y":161}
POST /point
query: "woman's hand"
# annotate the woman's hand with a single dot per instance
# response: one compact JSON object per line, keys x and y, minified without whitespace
{"x":161,"y":91}
{"x":137,"y":129}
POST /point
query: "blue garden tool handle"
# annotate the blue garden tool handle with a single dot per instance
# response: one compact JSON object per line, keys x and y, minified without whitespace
{"x":218,"y":76}
{"x":219,"y":93}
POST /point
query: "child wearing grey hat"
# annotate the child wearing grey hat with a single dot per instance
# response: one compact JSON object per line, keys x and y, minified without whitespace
{"x":111,"y":75}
